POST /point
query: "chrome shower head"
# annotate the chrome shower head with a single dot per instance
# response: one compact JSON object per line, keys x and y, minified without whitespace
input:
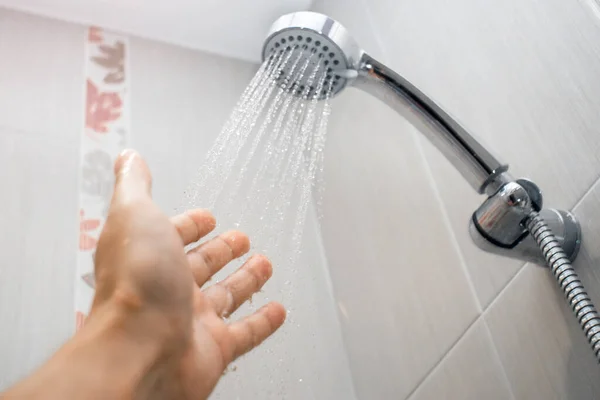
{"x":501,"y":225}
{"x":320,"y":39}
{"x":310,"y":34}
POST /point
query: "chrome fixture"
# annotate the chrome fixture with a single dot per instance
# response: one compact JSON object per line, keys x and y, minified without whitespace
{"x":511,"y":221}
{"x":498,"y":226}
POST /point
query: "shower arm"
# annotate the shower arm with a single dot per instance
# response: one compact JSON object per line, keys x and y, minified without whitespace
{"x":477,"y":165}
{"x":498,"y":225}
{"x":510,"y":222}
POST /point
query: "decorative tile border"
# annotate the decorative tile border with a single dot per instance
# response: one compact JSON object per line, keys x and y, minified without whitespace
{"x":105,"y":134}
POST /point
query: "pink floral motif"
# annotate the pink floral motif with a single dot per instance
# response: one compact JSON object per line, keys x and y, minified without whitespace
{"x":105,"y":133}
{"x":112,"y":58}
{"x":87,"y":242}
{"x":90,"y":279}
{"x":101,"y":108}
{"x":95,"y":34}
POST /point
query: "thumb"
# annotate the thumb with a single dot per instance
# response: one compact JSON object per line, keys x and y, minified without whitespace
{"x":133,"y":180}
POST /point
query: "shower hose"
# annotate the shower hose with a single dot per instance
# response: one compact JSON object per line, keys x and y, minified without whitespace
{"x":567,"y":279}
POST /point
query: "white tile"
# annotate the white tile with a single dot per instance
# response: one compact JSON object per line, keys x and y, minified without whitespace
{"x":488,"y":272}
{"x":587,"y":263}
{"x":38,"y":243}
{"x":522,"y":76}
{"x":355,"y":17}
{"x":519,"y":75}
{"x":41,"y":114}
{"x":41,"y":74}
{"x":470,"y":371}
{"x":306,"y":358}
{"x":401,"y":290}
{"x":180,"y":100}
{"x":543,"y":350}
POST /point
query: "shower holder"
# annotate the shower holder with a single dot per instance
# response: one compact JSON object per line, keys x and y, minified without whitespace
{"x":511,"y":221}
{"x":500,"y":225}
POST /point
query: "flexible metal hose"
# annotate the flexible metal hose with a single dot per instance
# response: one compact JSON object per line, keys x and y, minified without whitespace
{"x":567,"y":279}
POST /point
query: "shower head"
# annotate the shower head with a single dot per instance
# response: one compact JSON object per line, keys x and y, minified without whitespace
{"x":320,"y":40}
{"x":501,"y":225}
{"x":315,"y":36}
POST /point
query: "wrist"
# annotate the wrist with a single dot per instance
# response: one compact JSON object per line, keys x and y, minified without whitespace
{"x":111,"y":338}
{"x":144,"y":343}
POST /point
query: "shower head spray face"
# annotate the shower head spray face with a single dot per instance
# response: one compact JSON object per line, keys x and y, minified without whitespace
{"x":324,"y":41}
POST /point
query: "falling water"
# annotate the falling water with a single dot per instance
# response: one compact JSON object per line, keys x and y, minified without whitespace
{"x":261,"y":175}
{"x":261,"y":171}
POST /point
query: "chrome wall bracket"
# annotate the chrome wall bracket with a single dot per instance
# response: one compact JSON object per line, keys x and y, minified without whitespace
{"x":499,"y":225}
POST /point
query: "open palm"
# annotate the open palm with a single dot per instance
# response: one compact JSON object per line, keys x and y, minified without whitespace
{"x":217,"y":343}
{"x":141,"y":266}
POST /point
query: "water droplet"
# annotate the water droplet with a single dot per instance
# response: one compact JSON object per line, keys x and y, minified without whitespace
{"x":264,"y":167}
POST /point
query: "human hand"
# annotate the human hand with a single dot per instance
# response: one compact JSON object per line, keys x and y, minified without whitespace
{"x":141,"y":266}
{"x":153,"y":330}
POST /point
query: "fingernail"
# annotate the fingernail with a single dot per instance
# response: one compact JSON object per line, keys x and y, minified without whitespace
{"x":124,"y":160}
{"x":212,"y":221}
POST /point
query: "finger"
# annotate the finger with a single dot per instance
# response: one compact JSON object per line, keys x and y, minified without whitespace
{"x":193,"y":225}
{"x":132,"y":178}
{"x":254,"y":329}
{"x":208,"y":258}
{"x":229,"y":294}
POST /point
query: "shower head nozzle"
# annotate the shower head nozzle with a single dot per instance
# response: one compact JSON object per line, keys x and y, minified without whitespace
{"x":315,"y":35}
{"x":316,"y":38}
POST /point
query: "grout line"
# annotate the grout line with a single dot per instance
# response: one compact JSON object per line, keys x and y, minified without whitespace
{"x":321,"y":240}
{"x":445,"y":217}
{"x":587,"y":192}
{"x":577,"y":204}
{"x":446,"y":220}
{"x":501,"y":292}
{"x":497,"y":355}
{"x":80,"y":158}
{"x":329,"y":283}
{"x":462,"y":260}
{"x":437,"y":365}
{"x":514,"y":277}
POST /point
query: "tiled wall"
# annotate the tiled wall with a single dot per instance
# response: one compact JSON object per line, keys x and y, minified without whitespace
{"x":179,"y":101}
{"x":41,"y":92}
{"x":425,"y":314}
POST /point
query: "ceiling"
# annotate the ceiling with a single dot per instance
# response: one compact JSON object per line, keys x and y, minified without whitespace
{"x":233,"y":28}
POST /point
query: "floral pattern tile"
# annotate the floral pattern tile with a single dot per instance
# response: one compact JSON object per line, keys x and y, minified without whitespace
{"x":105,"y":134}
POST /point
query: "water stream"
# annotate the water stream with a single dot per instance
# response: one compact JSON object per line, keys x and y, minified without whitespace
{"x":260,"y":177}
{"x":261,"y":171}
